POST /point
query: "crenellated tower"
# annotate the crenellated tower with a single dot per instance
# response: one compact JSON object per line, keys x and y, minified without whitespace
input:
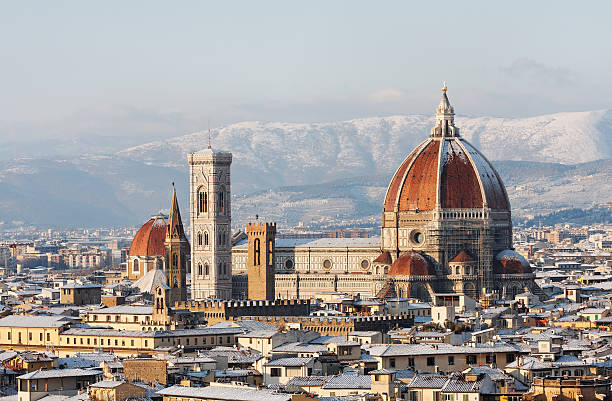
{"x":260,"y":263}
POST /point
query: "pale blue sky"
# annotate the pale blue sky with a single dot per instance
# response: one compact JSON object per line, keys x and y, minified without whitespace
{"x":151,"y":69}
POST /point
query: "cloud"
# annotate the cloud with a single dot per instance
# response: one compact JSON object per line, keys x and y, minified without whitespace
{"x":387,"y":95}
{"x":525,"y":68}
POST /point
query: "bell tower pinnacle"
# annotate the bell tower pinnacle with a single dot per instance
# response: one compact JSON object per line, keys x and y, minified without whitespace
{"x":177,"y":253}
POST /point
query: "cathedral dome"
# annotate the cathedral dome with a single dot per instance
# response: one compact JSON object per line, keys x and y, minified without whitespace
{"x":149,"y":240}
{"x":411,"y":264}
{"x":511,"y":262}
{"x":445,"y":171}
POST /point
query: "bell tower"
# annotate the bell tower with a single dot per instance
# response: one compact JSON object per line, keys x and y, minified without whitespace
{"x":211,"y":218}
{"x":177,"y":254}
{"x":260,"y":263}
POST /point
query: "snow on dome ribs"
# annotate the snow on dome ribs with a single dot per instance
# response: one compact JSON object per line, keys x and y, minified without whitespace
{"x":447,"y":202}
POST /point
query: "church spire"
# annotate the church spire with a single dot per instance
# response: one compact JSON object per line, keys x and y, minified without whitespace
{"x":175,"y":224}
{"x":445,"y":118}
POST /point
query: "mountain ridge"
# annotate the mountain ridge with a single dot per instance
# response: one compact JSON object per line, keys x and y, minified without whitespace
{"x":312,"y":172}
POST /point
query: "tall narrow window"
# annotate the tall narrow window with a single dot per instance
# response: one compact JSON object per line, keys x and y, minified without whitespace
{"x":221,"y":206}
{"x":219,"y":269}
{"x":174,"y":260}
{"x":257,"y":252}
{"x":135,"y":266}
{"x":202,"y":202}
{"x":206,"y":270}
{"x":270,"y":253}
{"x":199,"y":269}
{"x":200,"y":239}
{"x":205,"y":237}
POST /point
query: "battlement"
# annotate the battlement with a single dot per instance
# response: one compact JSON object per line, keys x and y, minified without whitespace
{"x":259,"y":228}
{"x":335,"y":325}
{"x":215,"y":303}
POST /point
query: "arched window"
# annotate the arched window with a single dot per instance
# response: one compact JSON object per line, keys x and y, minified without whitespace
{"x":135,"y":266}
{"x":458,"y":270}
{"x":219,"y":269}
{"x":200,"y":239}
{"x":174,"y":260}
{"x":206,"y":270}
{"x":202,"y":201}
{"x":257,"y":252}
{"x":199,"y":269}
{"x":205,"y":237}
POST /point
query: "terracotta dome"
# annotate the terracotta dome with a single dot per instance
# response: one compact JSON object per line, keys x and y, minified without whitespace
{"x":511,"y":262}
{"x":411,"y":264}
{"x":149,"y":240}
{"x":445,"y":170}
{"x":461,"y":257}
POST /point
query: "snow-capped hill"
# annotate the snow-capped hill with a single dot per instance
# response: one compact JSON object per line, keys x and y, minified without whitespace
{"x":567,"y":138}
{"x":274,"y":154}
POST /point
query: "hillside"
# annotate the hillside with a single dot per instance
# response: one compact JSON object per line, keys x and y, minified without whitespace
{"x":321,"y":173}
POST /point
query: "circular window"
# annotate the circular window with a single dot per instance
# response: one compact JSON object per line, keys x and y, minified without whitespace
{"x":288,"y":264}
{"x":365,"y":264}
{"x":417,"y":237}
{"x":327,"y":264}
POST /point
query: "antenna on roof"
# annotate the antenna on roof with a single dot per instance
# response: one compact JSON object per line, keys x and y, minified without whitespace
{"x":209,"y":133}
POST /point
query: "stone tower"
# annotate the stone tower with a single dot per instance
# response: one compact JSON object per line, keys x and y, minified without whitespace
{"x":177,"y":252}
{"x":260,"y":263}
{"x":161,"y":311}
{"x":211,"y":235}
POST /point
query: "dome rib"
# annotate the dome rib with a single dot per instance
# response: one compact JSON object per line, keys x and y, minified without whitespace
{"x":496,"y":196}
{"x":465,"y":175}
{"x":395,"y":187}
{"x":419,"y":189}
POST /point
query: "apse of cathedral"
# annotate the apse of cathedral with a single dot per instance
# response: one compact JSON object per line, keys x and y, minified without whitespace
{"x":446,"y":229}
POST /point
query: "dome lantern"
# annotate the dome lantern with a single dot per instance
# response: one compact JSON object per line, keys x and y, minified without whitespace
{"x":445,"y":118}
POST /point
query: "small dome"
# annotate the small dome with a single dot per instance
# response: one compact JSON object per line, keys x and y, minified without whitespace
{"x":411,"y":264}
{"x":461,"y":257}
{"x":384,"y":258}
{"x":149,"y":240}
{"x":511,"y":262}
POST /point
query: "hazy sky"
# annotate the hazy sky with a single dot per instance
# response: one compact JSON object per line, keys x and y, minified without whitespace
{"x":149,"y":69}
